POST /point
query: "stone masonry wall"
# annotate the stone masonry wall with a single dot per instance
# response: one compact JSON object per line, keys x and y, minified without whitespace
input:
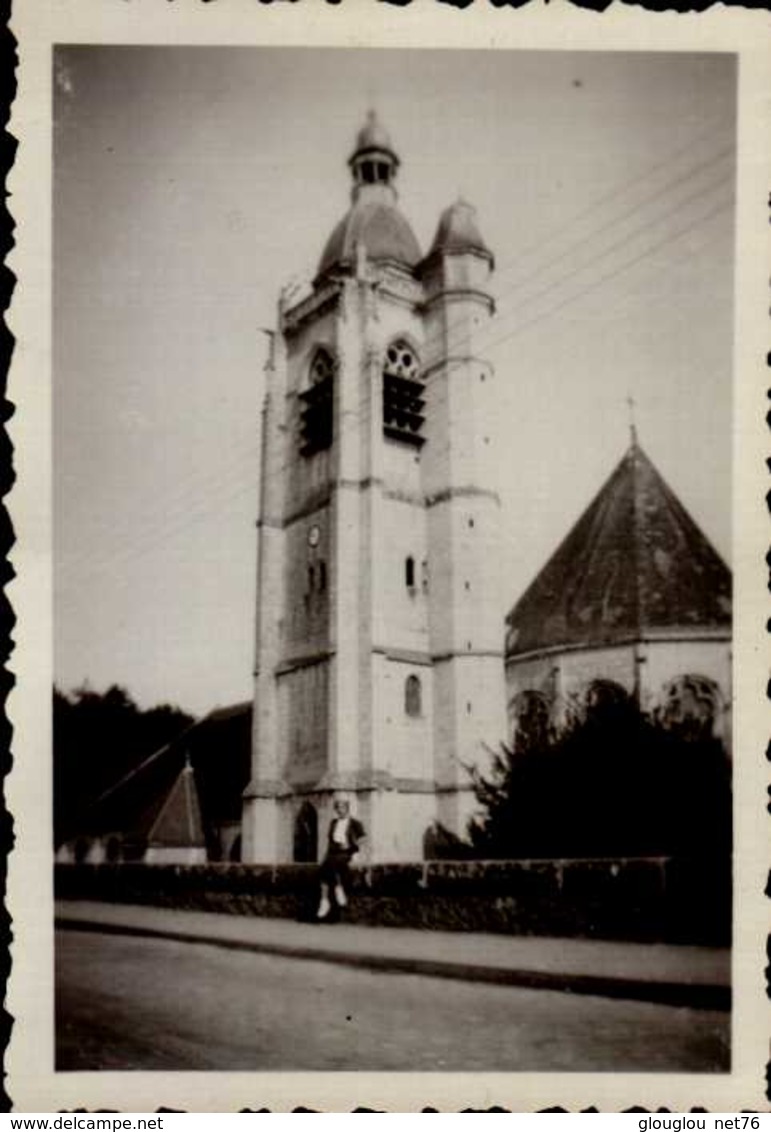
{"x":650,"y":899}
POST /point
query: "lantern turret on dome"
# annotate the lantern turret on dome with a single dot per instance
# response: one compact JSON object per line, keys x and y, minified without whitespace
{"x":374,"y":222}
{"x":374,"y":161}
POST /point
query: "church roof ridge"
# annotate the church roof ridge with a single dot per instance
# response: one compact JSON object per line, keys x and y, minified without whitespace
{"x":634,"y":561}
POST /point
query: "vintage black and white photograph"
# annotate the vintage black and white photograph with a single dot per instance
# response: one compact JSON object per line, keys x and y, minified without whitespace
{"x":393,"y":439}
{"x":456,"y":333}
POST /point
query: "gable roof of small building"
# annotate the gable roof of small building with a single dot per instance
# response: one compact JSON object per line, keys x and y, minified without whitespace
{"x":194,"y":782}
{"x":178,"y":822}
{"x":635,"y":562}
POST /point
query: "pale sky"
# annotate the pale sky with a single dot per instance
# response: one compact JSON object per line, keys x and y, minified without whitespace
{"x":191,"y":184}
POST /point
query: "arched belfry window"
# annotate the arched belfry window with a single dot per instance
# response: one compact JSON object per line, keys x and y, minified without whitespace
{"x":413,"y":698}
{"x":317,"y":405}
{"x":403,"y":402}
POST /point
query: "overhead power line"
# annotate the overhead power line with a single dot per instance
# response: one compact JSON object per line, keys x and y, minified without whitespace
{"x":668,"y":239}
{"x":636,"y":180}
{"x":664,"y":190}
{"x":173,"y":517}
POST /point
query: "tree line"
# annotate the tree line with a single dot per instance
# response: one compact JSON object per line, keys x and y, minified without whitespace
{"x":98,"y":737}
{"x":608,"y":781}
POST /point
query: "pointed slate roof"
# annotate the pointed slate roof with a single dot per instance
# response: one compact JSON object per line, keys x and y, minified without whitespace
{"x":635,"y":562}
{"x":146,"y":804}
{"x":178,"y":822}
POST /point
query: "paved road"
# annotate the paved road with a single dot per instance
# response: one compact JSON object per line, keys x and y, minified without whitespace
{"x":134,"y":1003}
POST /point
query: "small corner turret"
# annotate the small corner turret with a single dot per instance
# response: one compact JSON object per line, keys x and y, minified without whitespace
{"x":458,"y":233}
{"x":459,"y":259}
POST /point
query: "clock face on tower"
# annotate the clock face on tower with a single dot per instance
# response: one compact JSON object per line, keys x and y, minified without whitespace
{"x":313,"y":536}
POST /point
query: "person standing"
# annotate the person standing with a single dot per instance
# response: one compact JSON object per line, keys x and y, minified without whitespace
{"x":343,"y":841}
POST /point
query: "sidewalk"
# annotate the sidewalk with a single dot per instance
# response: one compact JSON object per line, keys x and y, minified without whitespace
{"x":665,"y":973}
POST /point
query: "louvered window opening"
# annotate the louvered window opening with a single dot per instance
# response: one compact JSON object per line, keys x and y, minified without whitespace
{"x":403,"y":401}
{"x":317,"y":407}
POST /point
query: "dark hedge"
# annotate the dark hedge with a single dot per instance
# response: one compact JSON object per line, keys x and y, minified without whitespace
{"x":666,"y":899}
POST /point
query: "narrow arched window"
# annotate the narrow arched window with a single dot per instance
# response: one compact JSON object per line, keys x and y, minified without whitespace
{"x":317,"y":405}
{"x":413,"y":705}
{"x":322,"y":575}
{"x":409,"y":573}
{"x":306,"y":833}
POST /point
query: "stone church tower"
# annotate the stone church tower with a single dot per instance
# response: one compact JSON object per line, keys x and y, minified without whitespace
{"x":379,"y":612}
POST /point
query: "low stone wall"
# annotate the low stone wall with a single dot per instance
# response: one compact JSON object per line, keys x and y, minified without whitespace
{"x":645,"y":899}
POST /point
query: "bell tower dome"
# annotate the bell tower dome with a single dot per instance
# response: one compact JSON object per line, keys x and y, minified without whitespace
{"x":373,"y":221}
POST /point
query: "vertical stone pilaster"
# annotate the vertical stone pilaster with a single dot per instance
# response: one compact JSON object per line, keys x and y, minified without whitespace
{"x":350,"y":541}
{"x":258,"y":839}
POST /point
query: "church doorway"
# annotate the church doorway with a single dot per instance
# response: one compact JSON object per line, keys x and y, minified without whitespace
{"x":306,"y":834}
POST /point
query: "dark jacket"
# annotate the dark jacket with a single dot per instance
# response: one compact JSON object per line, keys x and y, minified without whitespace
{"x":354,"y":834}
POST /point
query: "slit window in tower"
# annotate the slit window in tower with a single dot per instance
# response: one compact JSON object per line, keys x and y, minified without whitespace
{"x":322,"y":576}
{"x":413,"y":705}
{"x":317,"y":405}
{"x":409,"y":573}
{"x":403,"y":402}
